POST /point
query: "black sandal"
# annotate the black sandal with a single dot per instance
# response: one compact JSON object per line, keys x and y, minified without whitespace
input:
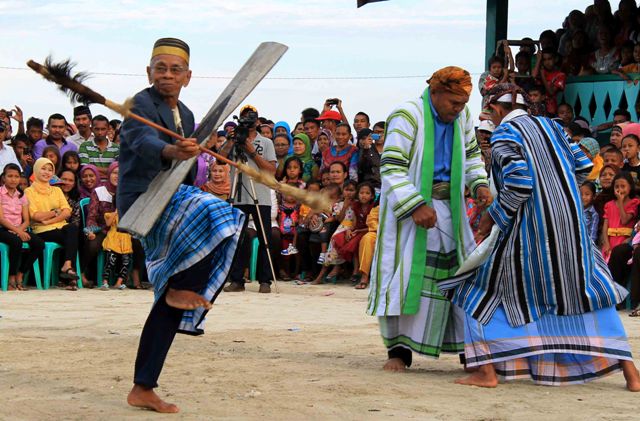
{"x":69,"y":274}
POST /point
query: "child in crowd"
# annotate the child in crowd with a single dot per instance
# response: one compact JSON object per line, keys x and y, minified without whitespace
{"x":588,"y":193}
{"x":266,"y":131}
{"x":522,"y":76}
{"x":619,"y":214}
{"x":496,"y":74}
{"x":591,"y":148}
{"x":538,"y":101}
{"x":325,"y":225}
{"x":615,"y":137}
{"x":118,"y":248}
{"x":630,"y":150}
{"x":347,"y":242}
{"x":605,"y":182}
{"x":14,"y":222}
{"x":303,"y":234}
{"x":24,"y":182}
{"x":325,"y":177}
{"x":475,"y":210}
{"x":565,"y":113}
{"x":322,"y":144}
{"x":22,"y":149}
{"x":551,"y":77}
{"x":52,"y":153}
{"x":613,"y":156}
{"x":71,"y":161}
{"x":288,"y":217}
{"x":367,"y":248}
{"x":293,"y":172}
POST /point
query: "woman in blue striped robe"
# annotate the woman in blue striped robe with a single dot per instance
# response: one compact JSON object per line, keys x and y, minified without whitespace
{"x":543,"y":304}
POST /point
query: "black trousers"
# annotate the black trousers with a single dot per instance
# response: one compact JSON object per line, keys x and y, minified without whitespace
{"x":162,"y":324}
{"x":90,"y":250}
{"x":243,"y":255}
{"x":620,"y":269}
{"x":18,"y":262}
{"x":67,"y":237}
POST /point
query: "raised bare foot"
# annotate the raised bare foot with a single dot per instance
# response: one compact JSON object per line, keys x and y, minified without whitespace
{"x":186,"y":300}
{"x":394,"y":364}
{"x":485,"y":376}
{"x":631,"y":375}
{"x":141,"y":397}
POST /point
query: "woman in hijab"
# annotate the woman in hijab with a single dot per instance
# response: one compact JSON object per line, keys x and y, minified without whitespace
{"x":102,"y":201}
{"x":49,"y":210}
{"x":89,"y":180}
{"x":219,"y":183}
{"x":282,"y":127}
{"x":302,"y":150}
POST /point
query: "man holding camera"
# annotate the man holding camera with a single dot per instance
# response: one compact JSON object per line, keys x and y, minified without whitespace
{"x":260,"y":155}
{"x":371,"y":146}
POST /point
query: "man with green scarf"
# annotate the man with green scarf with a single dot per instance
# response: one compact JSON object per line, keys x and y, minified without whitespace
{"x":430,"y":155}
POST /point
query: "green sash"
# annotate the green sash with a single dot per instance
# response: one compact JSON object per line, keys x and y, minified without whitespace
{"x":419,"y":260}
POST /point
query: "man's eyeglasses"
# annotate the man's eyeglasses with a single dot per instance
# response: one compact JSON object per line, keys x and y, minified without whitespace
{"x":176,"y":70}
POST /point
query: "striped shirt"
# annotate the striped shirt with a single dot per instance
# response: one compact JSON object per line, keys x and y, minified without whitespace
{"x":90,"y":153}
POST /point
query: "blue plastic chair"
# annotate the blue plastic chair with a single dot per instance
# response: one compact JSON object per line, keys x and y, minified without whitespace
{"x":4,"y":268}
{"x":50,"y":268}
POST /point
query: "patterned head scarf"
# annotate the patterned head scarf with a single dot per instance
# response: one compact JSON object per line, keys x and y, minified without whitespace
{"x":508,"y":92}
{"x":451,"y":79}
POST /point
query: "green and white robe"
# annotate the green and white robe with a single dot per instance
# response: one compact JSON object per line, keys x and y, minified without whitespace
{"x":409,"y":260}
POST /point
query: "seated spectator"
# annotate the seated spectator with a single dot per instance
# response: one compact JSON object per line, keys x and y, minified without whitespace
{"x":607,"y":57}
{"x":96,"y":228}
{"x":89,"y":180}
{"x":14,"y":222}
{"x":219,"y":183}
{"x":591,"y":218}
{"x":48,"y":212}
{"x":71,"y":161}
{"x":620,"y":214}
{"x":343,"y":151}
{"x":553,"y":80}
{"x":325,"y":225}
{"x":302,"y":151}
{"x":99,"y":151}
{"x":303,"y":236}
{"x":7,"y":155}
{"x":69,"y":186}
{"x":57,"y":125}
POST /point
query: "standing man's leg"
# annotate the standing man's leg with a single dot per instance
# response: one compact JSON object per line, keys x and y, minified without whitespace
{"x":241,"y":258}
{"x":160,"y":329}
{"x":264,"y":272}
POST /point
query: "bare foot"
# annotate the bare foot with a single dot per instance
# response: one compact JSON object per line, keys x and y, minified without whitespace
{"x":631,"y":375}
{"x":394,"y":364}
{"x":186,"y":300}
{"x":146,"y":398}
{"x":470,"y":369}
{"x":485,"y":376}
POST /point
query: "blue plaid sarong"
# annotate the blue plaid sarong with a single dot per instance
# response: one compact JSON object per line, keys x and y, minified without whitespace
{"x":193,"y":225}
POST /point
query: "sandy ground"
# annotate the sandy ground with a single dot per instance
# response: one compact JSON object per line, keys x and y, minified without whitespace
{"x":309,"y":352}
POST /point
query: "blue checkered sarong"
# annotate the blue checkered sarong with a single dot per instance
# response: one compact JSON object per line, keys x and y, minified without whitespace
{"x":193,"y":225}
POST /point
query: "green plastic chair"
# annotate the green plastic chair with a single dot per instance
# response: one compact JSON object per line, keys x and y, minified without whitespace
{"x":50,"y":268}
{"x":255,"y":244}
{"x":4,"y":268}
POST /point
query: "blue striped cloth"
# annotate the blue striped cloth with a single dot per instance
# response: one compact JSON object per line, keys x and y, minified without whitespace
{"x":193,"y":225}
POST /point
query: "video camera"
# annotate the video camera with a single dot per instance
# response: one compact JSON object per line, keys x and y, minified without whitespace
{"x":245,"y":124}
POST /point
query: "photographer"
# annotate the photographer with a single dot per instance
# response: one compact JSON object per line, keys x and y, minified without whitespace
{"x":371,"y":144}
{"x":260,"y":154}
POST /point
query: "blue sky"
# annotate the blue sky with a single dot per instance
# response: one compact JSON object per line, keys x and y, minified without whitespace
{"x":326,"y":38}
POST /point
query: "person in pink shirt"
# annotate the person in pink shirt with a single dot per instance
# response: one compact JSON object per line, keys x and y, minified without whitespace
{"x":14,"y":221}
